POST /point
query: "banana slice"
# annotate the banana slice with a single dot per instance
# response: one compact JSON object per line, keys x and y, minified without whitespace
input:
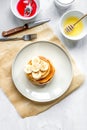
{"x":36,"y":75}
{"x":36,"y":61}
{"x":44,"y":66}
{"x":36,"y":68}
{"x":28,"y":69}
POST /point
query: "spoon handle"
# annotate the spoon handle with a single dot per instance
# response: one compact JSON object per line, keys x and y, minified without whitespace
{"x":80,"y":19}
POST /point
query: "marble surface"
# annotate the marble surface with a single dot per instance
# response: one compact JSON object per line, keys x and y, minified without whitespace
{"x":70,"y":113}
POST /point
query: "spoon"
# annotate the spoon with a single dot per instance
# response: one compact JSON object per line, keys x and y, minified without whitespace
{"x":28,"y":9}
{"x":27,"y":37}
{"x":69,"y":28}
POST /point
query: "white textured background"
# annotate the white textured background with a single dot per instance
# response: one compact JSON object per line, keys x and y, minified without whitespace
{"x":69,"y":114}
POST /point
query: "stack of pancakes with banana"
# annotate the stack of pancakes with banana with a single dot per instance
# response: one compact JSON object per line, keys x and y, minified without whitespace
{"x":39,"y":70}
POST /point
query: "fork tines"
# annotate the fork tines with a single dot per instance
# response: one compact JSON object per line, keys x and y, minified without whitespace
{"x":30,"y":37}
{"x":33,"y":36}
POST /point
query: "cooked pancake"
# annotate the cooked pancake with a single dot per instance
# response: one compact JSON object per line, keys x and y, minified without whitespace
{"x":39,"y":70}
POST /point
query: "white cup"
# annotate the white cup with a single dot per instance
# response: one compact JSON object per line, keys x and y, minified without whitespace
{"x":63,"y":4}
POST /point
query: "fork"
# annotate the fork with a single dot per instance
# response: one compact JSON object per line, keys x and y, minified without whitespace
{"x":28,"y":9}
{"x":27,"y":37}
{"x":69,"y":28}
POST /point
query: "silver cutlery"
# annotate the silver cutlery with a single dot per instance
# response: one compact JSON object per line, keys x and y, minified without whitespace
{"x":24,"y":27}
{"x":27,"y":37}
{"x":28,"y":9}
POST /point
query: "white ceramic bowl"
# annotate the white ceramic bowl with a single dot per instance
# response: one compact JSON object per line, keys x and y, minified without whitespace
{"x":78,"y":14}
{"x":16,"y":13}
{"x":63,"y":4}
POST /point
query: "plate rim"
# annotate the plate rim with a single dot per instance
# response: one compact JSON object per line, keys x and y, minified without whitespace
{"x":46,"y":100}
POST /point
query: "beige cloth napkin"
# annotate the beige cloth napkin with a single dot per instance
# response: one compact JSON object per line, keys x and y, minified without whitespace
{"x":8,"y":51}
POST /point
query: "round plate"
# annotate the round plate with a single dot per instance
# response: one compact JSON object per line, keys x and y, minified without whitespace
{"x":61,"y":80}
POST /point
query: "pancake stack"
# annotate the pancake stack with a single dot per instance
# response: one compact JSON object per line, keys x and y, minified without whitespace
{"x":39,"y":70}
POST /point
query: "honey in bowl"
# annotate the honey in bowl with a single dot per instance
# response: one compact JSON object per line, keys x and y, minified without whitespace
{"x":77,"y":29}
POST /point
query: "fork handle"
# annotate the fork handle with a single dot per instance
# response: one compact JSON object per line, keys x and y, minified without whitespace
{"x":10,"y":39}
{"x":15,"y":30}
